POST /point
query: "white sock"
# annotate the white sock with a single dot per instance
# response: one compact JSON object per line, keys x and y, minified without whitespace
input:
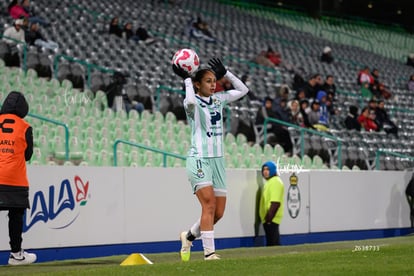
{"x":207,"y":238}
{"x":195,"y":229}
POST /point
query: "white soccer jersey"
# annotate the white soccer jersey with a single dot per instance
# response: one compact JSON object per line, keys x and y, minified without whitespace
{"x":205,"y":116}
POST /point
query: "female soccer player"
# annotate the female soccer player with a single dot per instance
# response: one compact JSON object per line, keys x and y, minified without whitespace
{"x":205,"y":161}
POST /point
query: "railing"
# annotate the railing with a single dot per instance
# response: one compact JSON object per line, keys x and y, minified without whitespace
{"x":164,"y":153}
{"x":343,"y":38}
{"x":302,"y":131}
{"x":89,"y":66}
{"x":24,"y":50}
{"x":380,"y":152}
{"x":56,"y":123}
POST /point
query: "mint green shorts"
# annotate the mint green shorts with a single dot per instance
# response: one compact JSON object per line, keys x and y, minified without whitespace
{"x":207,"y":172}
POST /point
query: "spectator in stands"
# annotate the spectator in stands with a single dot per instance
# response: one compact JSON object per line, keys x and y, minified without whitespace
{"x":410,"y":84}
{"x":295,"y":114}
{"x":281,"y":109}
{"x":282,"y":135}
{"x":12,"y":36}
{"x":410,"y":60}
{"x":323,"y":109}
{"x":300,"y":95}
{"x":351,"y":120}
{"x":364,"y":76}
{"x":329,"y":86}
{"x":35,"y":37}
{"x":304,"y":110}
{"x":314,"y":113}
{"x":327,"y":55}
{"x":378,"y":88}
{"x":114,"y":27}
{"x":384,"y":121}
{"x":269,"y":58}
{"x":128,"y":32}
{"x":366,"y":119}
{"x":365,"y":91}
{"x":19,"y":10}
{"x":312,"y":86}
{"x":197,"y":28}
{"x":144,"y":36}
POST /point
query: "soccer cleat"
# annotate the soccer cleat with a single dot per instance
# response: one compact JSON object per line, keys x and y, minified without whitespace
{"x":185,"y":247}
{"x":22,"y":258}
{"x":212,"y":256}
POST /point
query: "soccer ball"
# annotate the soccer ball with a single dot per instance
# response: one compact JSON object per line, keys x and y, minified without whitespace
{"x":187,"y":59}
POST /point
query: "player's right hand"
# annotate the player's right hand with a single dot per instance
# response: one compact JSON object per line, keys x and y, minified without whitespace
{"x":180,"y":72}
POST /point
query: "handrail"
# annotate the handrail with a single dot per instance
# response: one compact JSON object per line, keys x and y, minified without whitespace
{"x":164,"y":153}
{"x":89,"y":66}
{"x":380,"y":152}
{"x":302,"y":140}
{"x":24,"y":50}
{"x":56,"y":123}
{"x":95,"y":14}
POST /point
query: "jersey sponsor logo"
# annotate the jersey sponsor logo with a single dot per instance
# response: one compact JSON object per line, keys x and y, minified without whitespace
{"x":58,"y":207}
{"x":215,"y":117}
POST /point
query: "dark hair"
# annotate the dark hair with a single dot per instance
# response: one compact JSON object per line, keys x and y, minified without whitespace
{"x":201,"y":73}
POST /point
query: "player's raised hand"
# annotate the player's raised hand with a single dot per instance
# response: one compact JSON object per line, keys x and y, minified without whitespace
{"x":218,"y":67}
{"x":180,"y":72}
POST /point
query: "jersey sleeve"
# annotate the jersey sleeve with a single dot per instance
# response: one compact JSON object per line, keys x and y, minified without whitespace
{"x":190,"y":99}
{"x":240,"y":89}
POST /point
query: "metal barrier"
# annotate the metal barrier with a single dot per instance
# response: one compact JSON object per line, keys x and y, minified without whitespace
{"x":380,"y":152}
{"x":302,"y":141}
{"x":89,"y":66}
{"x":164,"y":153}
{"x":56,"y":123}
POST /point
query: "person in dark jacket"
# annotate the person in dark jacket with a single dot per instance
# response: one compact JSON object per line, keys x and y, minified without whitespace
{"x":16,"y":147}
{"x":351,"y":120}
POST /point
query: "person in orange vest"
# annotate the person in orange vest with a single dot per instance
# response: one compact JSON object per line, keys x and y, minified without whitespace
{"x":16,"y":147}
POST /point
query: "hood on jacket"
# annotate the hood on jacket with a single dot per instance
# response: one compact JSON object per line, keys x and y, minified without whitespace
{"x":15,"y":103}
{"x":320,"y":95}
{"x":272,"y":168}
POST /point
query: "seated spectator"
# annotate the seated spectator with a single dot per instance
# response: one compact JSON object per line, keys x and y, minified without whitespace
{"x":364,"y":76}
{"x":114,"y":27}
{"x":295,"y":114}
{"x":12,"y":35}
{"x":269,"y":58}
{"x":199,"y":29}
{"x":324,"y":113}
{"x":365,"y":91}
{"x":378,"y":88}
{"x":314,"y":113}
{"x":410,"y":84}
{"x":281,"y":134}
{"x":329,"y":86}
{"x":304,"y":110}
{"x":351,"y":120}
{"x":117,"y":97}
{"x":312,"y":86}
{"x":35,"y":37}
{"x":367,"y":119}
{"x":144,"y":36}
{"x":128,"y":33}
{"x":20,"y":10}
{"x":327,"y":55}
{"x":383,"y":119}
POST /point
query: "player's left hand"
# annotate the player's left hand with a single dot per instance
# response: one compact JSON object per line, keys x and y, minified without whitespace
{"x":218,"y":67}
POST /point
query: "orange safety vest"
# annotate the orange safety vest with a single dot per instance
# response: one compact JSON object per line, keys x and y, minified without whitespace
{"x":12,"y":148}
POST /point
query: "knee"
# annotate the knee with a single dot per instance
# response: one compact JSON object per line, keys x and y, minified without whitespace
{"x":210,"y":207}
